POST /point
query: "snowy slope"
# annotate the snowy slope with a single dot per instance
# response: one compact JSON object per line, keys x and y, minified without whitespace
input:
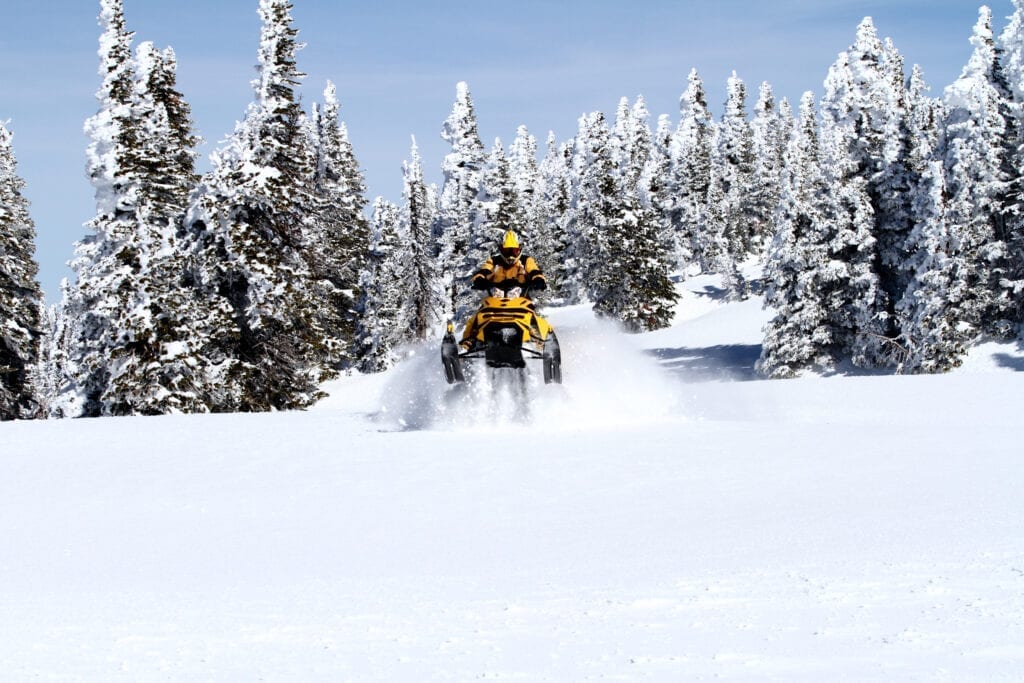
{"x":664,"y":517}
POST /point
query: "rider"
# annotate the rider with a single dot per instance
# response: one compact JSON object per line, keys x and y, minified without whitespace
{"x":509,"y":264}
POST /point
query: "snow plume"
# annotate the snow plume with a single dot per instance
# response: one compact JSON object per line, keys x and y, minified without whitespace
{"x":608,"y":382}
{"x":414,"y":389}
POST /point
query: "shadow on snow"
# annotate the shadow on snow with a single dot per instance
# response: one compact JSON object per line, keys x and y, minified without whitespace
{"x":733,"y":362}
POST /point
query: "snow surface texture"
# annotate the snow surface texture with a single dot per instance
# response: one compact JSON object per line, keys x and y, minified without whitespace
{"x":663,"y":517}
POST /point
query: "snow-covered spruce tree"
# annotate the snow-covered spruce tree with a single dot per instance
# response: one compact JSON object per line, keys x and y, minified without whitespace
{"x":691,"y":164}
{"x":415,"y":270}
{"x":458,"y":203}
{"x":249,"y":217}
{"x":931,"y":336}
{"x":864,"y":112}
{"x":157,"y":354}
{"x":21,"y":300}
{"x":981,"y":159}
{"x":728,"y":237}
{"x":856,"y":119}
{"x":645,"y":297}
{"x":597,"y":202}
{"x":525,"y":173}
{"x":715,"y":242}
{"x":930,"y":312}
{"x":127,"y":345}
{"x":336,"y":232}
{"x":631,"y":141}
{"x":770,"y":130}
{"x":800,"y":337}
{"x":1012,"y":42}
{"x":500,"y":208}
{"x":624,"y":262}
{"x":652,"y":258}
{"x":381,"y":293}
{"x":555,"y":197}
{"x":893,"y":187}
{"x":106,"y":260}
{"x":657,"y":193}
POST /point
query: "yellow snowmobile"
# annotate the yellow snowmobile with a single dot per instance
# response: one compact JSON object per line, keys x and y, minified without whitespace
{"x":505,"y":332}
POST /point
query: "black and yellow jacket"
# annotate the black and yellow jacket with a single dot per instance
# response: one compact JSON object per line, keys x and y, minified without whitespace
{"x":496,"y":269}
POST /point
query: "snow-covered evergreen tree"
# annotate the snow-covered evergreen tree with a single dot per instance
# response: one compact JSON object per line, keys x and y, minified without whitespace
{"x":21,"y":300}
{"x":728,"y":236}
{"x":981,"y":159}
{"x":524,"y":170}
{"x":621,"y":247}
{"x":691,"y":155}
{"x":597,"y":204}
{"x":857,"y":125}
{"x":249,"y":218}
{"x":820,"y":277}
{"x":1011,"y":40}
{"x":931,"y":337}
{"x":458,"y":203}
{"x":658,"y":191}
{"x":157,"y":352}
{"x":1012,"y":58}
{"x":799,"y":337}
{"x":337,"y":233}
{"x":716,"y":241}
{"x":500,"y":207}
{"x":770,"y":130}
{"x":631,"y":141}
{"x":415,"y":268}
{"x":552,"y":250}
{"x":107,"y":259}
{"x":381,"y":293}
{"x":127,"y":340}
{"x":864,"y":118}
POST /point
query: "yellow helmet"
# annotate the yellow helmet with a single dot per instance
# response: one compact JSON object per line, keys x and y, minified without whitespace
{"x":510,"y":246}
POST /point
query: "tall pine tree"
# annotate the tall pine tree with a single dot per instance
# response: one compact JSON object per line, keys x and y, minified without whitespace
{"x":459,"y":205}
{"x":981,"y":159}
{"x":336,"y":231}
{"x":415,"y":269}
{"x":21,"y":300}
{"x":249,"y":219}
{"x":800,"y":337}
{"x":126,"y":337}
{"x":691,"y":164}
{"x":381,"y":292}
{"x":107,"y":259}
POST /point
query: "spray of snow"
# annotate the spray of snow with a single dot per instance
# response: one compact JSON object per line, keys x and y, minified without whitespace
{"x":609,"y":382}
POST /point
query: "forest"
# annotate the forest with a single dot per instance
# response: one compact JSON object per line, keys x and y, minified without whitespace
{"x":886,"y":224}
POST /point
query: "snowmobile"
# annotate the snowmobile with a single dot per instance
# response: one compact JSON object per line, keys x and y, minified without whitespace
{"x":507,"y":332}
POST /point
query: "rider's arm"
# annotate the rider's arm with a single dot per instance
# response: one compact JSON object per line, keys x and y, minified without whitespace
{"x":482,"y":277}
{"x":534,"y":277}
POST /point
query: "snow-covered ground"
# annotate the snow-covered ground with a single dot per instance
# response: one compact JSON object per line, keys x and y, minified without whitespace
{"x":663,"y":516}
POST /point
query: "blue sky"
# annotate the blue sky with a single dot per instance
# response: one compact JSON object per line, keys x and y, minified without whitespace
{"x":541,"y":63}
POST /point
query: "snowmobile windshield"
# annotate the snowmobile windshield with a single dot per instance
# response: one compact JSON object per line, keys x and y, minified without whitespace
{"x":503,"y":293}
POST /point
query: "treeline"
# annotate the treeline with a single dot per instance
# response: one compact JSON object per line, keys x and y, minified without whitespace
{"x":888,"y":223}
